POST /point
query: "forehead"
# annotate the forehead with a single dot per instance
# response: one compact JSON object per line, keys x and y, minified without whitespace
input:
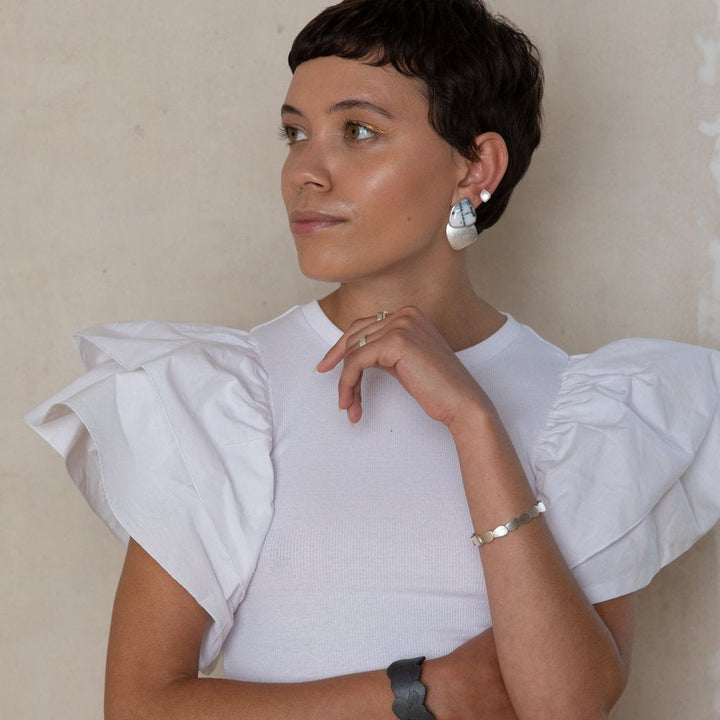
{"x":325,"y":82}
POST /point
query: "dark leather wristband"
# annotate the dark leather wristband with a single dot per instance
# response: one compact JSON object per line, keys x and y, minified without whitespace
{"x":409,"y":691}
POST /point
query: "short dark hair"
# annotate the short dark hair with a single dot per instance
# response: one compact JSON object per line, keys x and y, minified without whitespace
{"x":481,"y":73}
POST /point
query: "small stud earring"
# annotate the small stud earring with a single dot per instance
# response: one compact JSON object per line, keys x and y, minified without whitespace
{"x":485,"y":195}
{"x":460,"y":229}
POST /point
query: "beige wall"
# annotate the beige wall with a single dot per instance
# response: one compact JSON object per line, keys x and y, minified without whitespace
{"x":139,"y":163}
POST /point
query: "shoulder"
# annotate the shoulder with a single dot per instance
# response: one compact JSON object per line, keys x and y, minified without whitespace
{"x":627,"y":462}
{"x":169,"y":436}
{"x":522,"y":375}
{"x":670,"y":388}
{"x":136,"y":343}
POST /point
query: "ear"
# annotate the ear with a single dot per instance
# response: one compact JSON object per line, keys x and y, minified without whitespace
{"x":485,"y":172}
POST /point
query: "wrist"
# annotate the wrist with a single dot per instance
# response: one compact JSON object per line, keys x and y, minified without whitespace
{"x":409,"y":690}
{"x":475,"y":418}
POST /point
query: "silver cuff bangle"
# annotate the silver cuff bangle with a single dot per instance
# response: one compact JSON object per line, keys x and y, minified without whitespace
{"x":502,"y":530}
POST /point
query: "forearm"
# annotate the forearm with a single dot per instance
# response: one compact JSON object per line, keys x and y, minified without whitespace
{"x":364,"y":695}
{"x":557,"y":656}
{"x":464,"y":685}
{"x":155,"y":638}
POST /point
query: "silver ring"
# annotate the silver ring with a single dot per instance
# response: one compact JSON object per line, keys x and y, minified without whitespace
{"x":362,"y":341}
{"x":382,"y":315}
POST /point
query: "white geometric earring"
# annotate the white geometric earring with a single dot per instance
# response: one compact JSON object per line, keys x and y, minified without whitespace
{"x":460,"y":229}
{"x":485,"y":195}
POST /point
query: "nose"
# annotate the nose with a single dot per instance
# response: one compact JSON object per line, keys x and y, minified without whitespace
{"x":307,"y":166}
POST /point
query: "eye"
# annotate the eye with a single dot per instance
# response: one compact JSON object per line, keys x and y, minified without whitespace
{"x":292,"y":134}
{"x":356,"y":131}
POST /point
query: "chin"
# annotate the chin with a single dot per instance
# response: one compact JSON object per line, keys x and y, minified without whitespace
{"x":313,"y":271}
{"x":318,"y":266}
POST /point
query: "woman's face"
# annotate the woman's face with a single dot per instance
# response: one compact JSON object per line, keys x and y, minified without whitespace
{"x":367,"y":184}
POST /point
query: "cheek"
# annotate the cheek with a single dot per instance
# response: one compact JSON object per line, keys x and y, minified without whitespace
{"x":412,"y":194}
{"x":385,"y":191}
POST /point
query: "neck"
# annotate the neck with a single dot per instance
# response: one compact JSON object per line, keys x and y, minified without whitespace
{"x":446,"y":297}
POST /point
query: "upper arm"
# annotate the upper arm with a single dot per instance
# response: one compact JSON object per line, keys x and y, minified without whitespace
{"x":156,"y":631}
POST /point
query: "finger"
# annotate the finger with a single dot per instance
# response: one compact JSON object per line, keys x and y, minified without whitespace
{"x":349,"y":339}
{"x":366,"y":334}
{"x":363,"y":351}
{"x":354,"y":412}
{"x":337,"y":352}
{"x":361,"y":339}
{"x":348,"y":387}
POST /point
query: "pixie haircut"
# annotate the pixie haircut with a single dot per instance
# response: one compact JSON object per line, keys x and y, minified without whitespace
{"x":480,"y":73}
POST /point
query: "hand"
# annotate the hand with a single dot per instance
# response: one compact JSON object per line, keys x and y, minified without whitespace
{"x":409,"y":347}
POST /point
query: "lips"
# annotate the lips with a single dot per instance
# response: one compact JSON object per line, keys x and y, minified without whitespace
{"x":303,"y":222}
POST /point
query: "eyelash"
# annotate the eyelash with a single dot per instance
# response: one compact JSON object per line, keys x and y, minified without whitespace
{"x":364,"y":126}
{"x":286,"y":131}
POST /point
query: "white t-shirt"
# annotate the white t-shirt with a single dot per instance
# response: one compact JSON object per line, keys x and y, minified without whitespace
{"x":320,"y":548}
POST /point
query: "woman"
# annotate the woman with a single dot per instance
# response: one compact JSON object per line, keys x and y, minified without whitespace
{"x":316,"y":551}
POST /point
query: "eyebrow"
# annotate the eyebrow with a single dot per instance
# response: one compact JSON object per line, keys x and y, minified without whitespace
{"x":361,"y":105}
{"x":344,"y":105}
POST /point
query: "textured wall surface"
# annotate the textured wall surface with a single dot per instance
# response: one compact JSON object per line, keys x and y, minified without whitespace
{"x":139,"y":179}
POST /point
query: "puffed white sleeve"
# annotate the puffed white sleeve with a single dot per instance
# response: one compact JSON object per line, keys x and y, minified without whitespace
{"x":629,"y":463}
{"x":168,"y":435}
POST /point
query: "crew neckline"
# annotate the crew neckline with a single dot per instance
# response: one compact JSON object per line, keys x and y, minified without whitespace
{"x":475,"y":354}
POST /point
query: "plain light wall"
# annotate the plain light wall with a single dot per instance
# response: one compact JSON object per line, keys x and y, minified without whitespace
{"x":139,"y":178}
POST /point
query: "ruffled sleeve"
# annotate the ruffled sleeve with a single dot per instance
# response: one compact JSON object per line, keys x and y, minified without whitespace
{"x":168,"y":435}
{"x":629,"y":463}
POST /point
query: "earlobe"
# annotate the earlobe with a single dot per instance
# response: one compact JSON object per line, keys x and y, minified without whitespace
{"x":482,"y":177}
{"x":460,"y":229}
{"x":487,"y":170}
